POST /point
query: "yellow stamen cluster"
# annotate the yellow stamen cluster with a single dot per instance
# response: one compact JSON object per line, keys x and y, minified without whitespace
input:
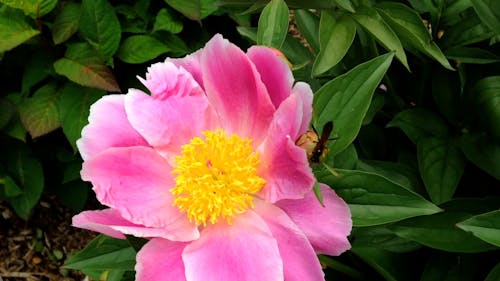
{"x":216,"y":177}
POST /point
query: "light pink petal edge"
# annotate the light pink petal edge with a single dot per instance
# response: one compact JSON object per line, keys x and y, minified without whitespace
{"x":160,"y":260}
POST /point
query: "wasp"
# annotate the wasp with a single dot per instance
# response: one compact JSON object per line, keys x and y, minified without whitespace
{"x":314,"y":144}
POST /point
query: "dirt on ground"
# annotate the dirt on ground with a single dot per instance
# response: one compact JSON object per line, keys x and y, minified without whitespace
{"x":36,"y":249}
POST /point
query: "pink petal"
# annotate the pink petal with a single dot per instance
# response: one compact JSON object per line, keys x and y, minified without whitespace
{"x":274,"y":72}
{"x":166,"y":79}
{"x":136,"y":182}
{"x":111,"y":223}
{"x":191,"y":63}
{"x":300,"y":263}
{"x":243,"y":251}
{"x":167,"y":124}
{"x":283,"y":164}
{"x":326,"y":227}
{"x":160,"y":260}
{"x":234,"y":88}
{"x":108,"y":127}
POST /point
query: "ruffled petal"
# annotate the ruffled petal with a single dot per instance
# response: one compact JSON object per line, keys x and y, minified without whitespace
{"x":326,"y":227}
{"x":165,"y":79}
{"x":243,"y":251}
{"x":111,"y":223}
{"x":300,"y":263}
{"x":284,"y":165}
{"x":235,"y":90}
{"x":160,"y":260}
{"x":108,"y":127}
{"x":136,"y":181}
{"x":167,"y":124}
{"x":192,"y":64}
{"x":274,"y":72}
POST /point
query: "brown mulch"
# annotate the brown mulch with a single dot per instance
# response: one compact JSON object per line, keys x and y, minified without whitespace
{"x":36,"y":249}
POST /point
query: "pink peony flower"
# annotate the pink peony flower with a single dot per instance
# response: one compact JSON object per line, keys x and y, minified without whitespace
{"x":207,"y":168}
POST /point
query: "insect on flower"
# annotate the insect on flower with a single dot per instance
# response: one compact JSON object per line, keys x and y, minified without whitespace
{"x":315,"y":145}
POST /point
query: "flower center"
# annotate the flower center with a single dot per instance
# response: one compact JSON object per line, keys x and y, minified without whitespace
{"x":216,"y":177}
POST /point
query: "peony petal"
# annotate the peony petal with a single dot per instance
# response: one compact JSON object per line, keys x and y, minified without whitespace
{"x":274,"y":72}
{"x":234,"y":88}
{"x":111,"y":223}
{"x":191,"y":63}
{"x":170,"y":123}
{"x":303,"y":90}
{"x":165,"y":79}
{"x":243,"y":251}
{"x":300,"y":263}
{"x":136,"y":182}
{"x":326,"y":227}
{"x":284,"y":165}
{"x":108,"y":127}
{"x":160,"y":260}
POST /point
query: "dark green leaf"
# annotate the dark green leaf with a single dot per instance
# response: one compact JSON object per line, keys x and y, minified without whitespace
{"x":273,"y":24}
{"x":14,"y":30}
{"x":485,"y":226}
{"x":132,"y":49}
{"x":471,"y":55}
{"x":73,"y":194}
{"x":346,"y":5}
{"x":374,"y":200}
{"x":335,"y":36}
{"x":494,"y":274}
{"x":83,"y":66}
{"x":37,"y":68}
{"x":346,"y":159}
{"x":391,"y":266}
{"x":166,"y":20}
{"x":7,"y":110}
{"x":295,"y":51}
{"x":346,"y":99}
{"x":488,"y":13}
{"x":39,"y":113}
{"x":33,"y":8}
{"x":195,"y":9}
{"x":487,"y":99}
{"x":470,"y":30}
{"x":308,"y":24}
{"x":447,"y":93}
{"x":443,"y":266}
{"x":10,"y":188}
{"x":441,"y":165}
{"x":66,"y":22}
{"x":483,"y":152}
{"x":383,"y":238}
{"x":74,"y":104}
{"x":100,"y":27}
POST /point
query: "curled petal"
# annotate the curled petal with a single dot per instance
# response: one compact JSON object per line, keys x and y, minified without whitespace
{"x":192,"y":64}
{"x":243,"y":251}
{"x":160,"y":260}
{"x":326,"y":227}
{"x":108,"y":127}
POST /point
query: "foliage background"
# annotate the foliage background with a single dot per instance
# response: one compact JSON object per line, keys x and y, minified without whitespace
{"x":413,"y":89}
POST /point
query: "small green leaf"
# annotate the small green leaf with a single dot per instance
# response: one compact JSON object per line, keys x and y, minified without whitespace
{"x":39,"y":113}
{"x":346,"y":5}
{"x":132,"y":49}
{"x":483,"y":152}
{"x":273,"y":24}
{"x":83,"y":66}
{"x":419,"y":123}
{"x":471,"y":55}
{"x":374,"y":200}
{"x":488,"y":12}
{"x":10,"y":188}
{"x":487,"y":99}
{"x":346,"y":99}
{"x":194,"y":9}
{"x":317,"y":192}
{"x":441,"y":165}
{"x":371,"y":20}
{"x":74,"y":107}
{"x":33,"y":8}
{"x":166,"y":20}
{"x":485,"y":226}
{"x":14,"y":30}
{"x":100,"y":27}
{"x":336,"y":36}
{"x":66,"y":22}
{"x":308,"y":24}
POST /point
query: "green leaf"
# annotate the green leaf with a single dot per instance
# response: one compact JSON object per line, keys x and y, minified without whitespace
{"x":37,"y":68}
{"x":33,"y":8}
{"x":409,"y":26}
{"x":308,"y":24}
{"x":383,"y":238}
{"x":195,"y":9}
{"x":488,"y":12}
{"x":346,"y":159}
{"x":494,"y":274}
{"x":346,"y":99}
{"x":73,"y":194}
{"x":39,"y":113}
{"x":447,"y":93}
{"x":295,"y":51}
{"x":166,"y":20}
{"x":346,"y":5}
{"x":132,"y":49}
{"x":14,"y":30}
{"x":66,"y":22}
{"x":100,"y":27}
{"x":83,"y":66}
{"x":487,"y":99}
{"x":419,"y":123}
{"x":7,"y":110}
{"x":441,"y":165}
{"x":371,"y":20}
{"x":273,"y":24}
{"x":391,"y":266}
{"x":471,"y":55}
{"x":483,"y":152}
{"x":74,"y":107}
{"x":397,"y":173}
{"x":443,"y":266}
{"x":10,"y":188}
{"x":485,"y":226}
{"x":373,"y":199}
{"x":470,"y":30}
{"x":104,"y":253}
{"x":335,"y":38}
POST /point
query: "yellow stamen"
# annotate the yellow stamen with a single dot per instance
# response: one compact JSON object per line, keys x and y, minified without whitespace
{"x":216,"y":177}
